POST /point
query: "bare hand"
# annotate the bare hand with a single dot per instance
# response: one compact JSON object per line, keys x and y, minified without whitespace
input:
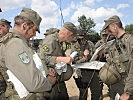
{"x":52,"y":79}
{"x":124,"y":96}
{"x":86,"y":52}
{"x":101,"y":52}
{"x":68,"y":60}
{"x":51,"y":72}
{"x":51,"y":75}
{"x":85,"y":55}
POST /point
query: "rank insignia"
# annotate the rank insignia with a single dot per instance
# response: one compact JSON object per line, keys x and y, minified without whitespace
{"x":24,"y":57}
{"x":45,"y":48}
{"x":77,"y":47}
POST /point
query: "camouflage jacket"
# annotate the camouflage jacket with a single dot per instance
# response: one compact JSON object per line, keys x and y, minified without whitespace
{"x":50,"y":49}
{"x":81,"y":47}
{"x":120,"y":54}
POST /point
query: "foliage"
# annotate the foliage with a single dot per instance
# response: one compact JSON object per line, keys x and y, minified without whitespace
{"x":129,"y":28}
{"x":87,"y":25}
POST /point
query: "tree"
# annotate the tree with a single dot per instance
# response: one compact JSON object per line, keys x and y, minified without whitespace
{"x":87,"y":25}
{"x":129,"y":28}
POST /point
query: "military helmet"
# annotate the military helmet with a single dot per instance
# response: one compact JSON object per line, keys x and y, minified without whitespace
{"x":109,"y":75}
{"x":51,"y":31}
{"x":67,"y":75}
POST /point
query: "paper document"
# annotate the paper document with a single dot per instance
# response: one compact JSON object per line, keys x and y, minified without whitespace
{"x":97,"y":65}
{"x":39,"y":64}
{"x":19,"y":87}
{"x":109,"y":43}
{"x":117,"y":97}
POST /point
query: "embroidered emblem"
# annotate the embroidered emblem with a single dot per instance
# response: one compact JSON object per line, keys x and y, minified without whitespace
{"x":45,"y":48}
{"x":24,"y":57}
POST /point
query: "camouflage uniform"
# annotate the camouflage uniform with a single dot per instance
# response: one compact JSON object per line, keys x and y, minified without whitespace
{"x":51,"y":49}
{"x":88,"y":78}
{"x":120,"y":56}
{"x":98,"y":44}
{"x":3,"y":32}
{"x":17,"y":56}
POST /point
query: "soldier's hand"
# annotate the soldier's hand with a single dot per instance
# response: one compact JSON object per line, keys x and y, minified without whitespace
{"x":52,"y":79}
{"x":85,"y":55}
{"x":51,"y":72}
{"x":124,"y":96}
{"x":101,"y":52}
{"x":67,"y":60}
{"x":51,"y":75}
{"x":86,"y":52}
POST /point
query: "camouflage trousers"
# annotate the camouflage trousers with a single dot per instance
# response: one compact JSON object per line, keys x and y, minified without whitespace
{"x":16,"y":97}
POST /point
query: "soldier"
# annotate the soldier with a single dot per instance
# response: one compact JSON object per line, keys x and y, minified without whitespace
{"x":104,"y":36}
{"x":102,"y":40}
{"x":5,"y":26}
{"x":120,"y":57}
{"x":4,"y":29}
{"x":17,"y":57}
{"x":51,"y":52}
{"x":88,"y":78}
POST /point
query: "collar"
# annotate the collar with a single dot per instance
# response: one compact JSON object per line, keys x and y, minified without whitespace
{"x":17,"y":34}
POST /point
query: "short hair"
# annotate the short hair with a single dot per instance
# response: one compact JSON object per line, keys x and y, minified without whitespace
{"x":20,"y":20}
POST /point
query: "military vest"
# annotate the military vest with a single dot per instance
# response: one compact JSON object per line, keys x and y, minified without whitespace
{"x":119,"y":54}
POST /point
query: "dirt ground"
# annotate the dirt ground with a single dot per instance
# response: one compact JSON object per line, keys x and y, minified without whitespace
{"x":73,"y":90}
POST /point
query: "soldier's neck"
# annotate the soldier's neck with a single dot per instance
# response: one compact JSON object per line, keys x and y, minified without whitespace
{"x":121,"y":32}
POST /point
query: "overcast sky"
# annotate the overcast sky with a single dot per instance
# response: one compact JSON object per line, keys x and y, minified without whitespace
{"x":99,"y":10}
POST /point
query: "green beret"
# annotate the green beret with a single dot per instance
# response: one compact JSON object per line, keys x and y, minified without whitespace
{"x":71,"y":27}
{"x":32,"y":15}
{"x":113,"y":19}
{"x":6,"y":22}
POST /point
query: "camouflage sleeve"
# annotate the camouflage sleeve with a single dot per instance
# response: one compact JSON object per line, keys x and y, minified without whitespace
{"x":91,"y":47}
{"x":46,"y":51}
{"x":129,"y":81}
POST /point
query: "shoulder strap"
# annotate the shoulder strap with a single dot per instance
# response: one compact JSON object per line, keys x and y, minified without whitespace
{"x":6,"y":38}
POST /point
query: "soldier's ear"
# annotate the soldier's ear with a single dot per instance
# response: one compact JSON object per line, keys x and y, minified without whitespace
{"x":24,"y":25}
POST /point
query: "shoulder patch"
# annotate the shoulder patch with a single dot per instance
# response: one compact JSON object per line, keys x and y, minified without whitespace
{"x":24,"y":57}
{"x":45,"y":48}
